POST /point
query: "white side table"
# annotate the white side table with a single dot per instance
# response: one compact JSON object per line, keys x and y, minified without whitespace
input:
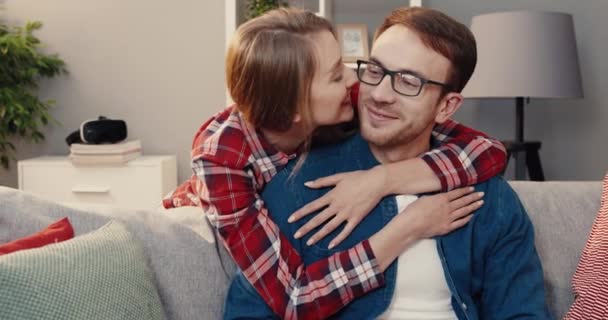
{"x":139,"y":184}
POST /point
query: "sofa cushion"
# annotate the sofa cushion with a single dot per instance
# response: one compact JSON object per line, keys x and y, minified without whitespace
{"x":590,"y":281}
{"x":188,"y":272}
{"x":56,"y":232}
{"x":100,"y":275}
{"x":190,"y":215}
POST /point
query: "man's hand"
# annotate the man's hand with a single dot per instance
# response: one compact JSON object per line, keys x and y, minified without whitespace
{"x":355,"y":194}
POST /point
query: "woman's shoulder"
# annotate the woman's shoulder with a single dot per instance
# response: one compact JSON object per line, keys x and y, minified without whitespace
{"x":222,"y":135}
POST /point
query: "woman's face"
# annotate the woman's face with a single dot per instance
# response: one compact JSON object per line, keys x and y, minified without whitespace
{"x":330,"y":89}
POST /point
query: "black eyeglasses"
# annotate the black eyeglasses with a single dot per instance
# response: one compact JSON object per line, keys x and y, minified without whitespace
{"x":404,"y":83}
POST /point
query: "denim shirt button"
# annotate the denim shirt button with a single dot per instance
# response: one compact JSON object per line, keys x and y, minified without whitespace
{"x":464,"y":306}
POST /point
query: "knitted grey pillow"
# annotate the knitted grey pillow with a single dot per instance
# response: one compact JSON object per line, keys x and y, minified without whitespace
{"x":100,"y":275}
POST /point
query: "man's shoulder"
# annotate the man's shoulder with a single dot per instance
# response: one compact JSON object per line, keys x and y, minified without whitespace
{"x":494,"y":184}
{"x":332,"y":158}
{"x":501,"y":203}
{"x":352,"y":145}
{"x":319,"y":162}
{"x":497,"y":187}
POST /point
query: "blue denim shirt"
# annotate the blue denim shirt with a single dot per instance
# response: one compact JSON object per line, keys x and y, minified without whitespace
{"x":491,"y":265}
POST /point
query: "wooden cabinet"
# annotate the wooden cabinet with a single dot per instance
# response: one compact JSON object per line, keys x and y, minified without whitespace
{"x":139,"y":184}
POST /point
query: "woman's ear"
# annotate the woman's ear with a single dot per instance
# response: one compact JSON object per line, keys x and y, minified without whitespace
{"x":297,"y":118}
{"x":450,"y":103}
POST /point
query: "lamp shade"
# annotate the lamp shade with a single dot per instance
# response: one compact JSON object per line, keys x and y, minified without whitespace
{"x":525,"y":54}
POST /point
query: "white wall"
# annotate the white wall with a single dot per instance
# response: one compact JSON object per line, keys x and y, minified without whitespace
{"x":159,"y":65}
{"x":573,"y":131}
{"x":156,"y":64}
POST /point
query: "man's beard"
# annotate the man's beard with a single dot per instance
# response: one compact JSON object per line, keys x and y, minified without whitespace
{"x":397,"y":135}
{"x":393,"y":138}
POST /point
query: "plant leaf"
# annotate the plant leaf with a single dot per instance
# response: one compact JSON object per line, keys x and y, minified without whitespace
{"x":22,"y":64}
{"x":4,"y":161}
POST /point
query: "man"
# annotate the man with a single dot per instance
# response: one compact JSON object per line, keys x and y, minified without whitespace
{"x":489,"y":269}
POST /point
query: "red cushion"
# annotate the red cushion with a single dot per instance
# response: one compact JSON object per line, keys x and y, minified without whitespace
{"x":59,"y":231}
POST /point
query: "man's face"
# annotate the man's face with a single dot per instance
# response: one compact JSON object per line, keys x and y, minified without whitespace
{"x":389,"y":119}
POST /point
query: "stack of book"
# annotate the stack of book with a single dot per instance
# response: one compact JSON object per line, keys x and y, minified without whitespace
{"x":105,"y":154}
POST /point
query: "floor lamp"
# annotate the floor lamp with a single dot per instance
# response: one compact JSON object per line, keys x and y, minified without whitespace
{"x":522,"y":55}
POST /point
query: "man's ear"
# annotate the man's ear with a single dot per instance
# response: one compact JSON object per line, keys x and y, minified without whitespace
{"x":448,"y":105}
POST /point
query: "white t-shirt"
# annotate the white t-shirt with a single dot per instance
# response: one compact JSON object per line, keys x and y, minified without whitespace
{"x":421,"y":290}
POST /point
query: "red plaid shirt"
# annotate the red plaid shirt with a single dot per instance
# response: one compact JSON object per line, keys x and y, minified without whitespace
{"x":232,"y":162}
{"x":465,"y":156}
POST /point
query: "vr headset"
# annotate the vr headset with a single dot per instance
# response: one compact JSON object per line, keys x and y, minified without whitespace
{"x":97,"y":131}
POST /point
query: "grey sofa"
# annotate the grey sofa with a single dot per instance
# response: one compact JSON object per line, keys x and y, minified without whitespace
{"x":190,"y":277}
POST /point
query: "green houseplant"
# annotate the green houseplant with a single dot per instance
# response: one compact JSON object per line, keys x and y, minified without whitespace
{"x":258,"y":7}
{"x":22,"y":65}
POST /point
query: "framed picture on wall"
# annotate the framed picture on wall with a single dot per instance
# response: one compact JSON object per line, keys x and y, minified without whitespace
{"x":353,"y":42}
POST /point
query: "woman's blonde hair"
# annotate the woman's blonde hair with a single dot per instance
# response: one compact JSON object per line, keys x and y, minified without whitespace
{"x":270,"y":65}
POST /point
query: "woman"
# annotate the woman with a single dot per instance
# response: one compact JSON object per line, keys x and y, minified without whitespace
{"x":285,"y":74}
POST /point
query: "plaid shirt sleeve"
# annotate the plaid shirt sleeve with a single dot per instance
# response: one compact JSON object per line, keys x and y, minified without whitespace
{"x":465,"y":156}
{"x":183,"y":195}
{"x":229,"y":177}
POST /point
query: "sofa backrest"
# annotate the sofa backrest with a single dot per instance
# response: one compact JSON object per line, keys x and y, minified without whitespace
{"x":190,"y":278}
{"x":562,"y":214}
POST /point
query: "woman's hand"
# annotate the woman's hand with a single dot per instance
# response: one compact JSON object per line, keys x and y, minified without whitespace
{"x":426,"y":217}
{"x":441,"y":213}
{"x":355,"y":194}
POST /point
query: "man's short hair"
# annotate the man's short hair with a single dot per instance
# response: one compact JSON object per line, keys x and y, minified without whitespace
{"x":444,"y":35}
